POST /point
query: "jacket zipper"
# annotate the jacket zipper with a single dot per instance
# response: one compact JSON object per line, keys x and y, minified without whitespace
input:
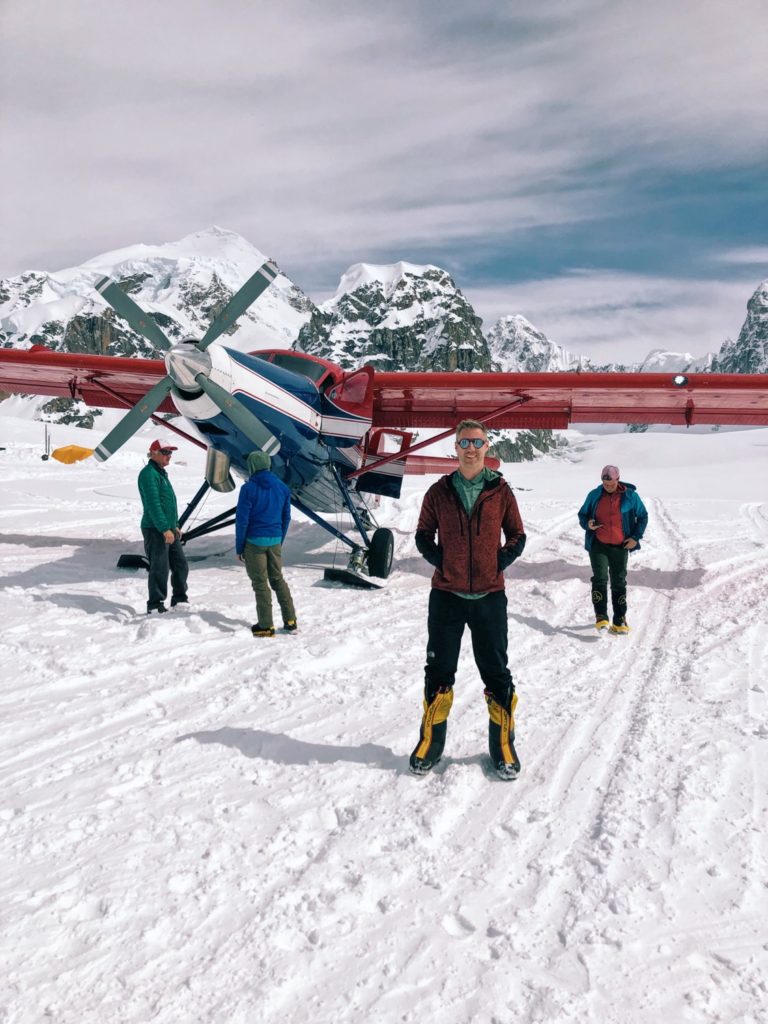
{"x":460,"y":509}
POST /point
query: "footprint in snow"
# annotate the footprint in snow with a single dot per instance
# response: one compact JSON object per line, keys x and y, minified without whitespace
{"x":457,"y":926}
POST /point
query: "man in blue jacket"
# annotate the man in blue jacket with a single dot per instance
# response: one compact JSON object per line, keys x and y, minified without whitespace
{"x":261,"y":523}
{"x":614,"y":519}
{"x":160,"y":529}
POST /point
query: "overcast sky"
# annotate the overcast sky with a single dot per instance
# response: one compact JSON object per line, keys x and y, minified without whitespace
{"x":599,"y":167}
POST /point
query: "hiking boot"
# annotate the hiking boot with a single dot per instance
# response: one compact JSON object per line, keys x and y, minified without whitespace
{"x":599,"y":601}
{"x":257,"y":630}
{"x":290,"y":626}
{"x":619,"y":627}
{"x":601,"y":624}
{"x":179,"y":600}
{"x":507,"y":772}
{"x":501,"y":736}
{"x":159,"y":608}
{"x":434,"y":727}
{"x":421,"y":765}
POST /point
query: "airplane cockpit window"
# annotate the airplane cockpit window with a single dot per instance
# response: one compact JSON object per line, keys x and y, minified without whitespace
{"x":319,"y":371}
{"x":306,"y":367}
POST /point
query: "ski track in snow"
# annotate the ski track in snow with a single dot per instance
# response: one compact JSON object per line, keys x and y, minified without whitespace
{"x":197,"y":826}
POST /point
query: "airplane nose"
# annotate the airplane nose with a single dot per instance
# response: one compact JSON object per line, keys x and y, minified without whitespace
{"x":184,"y":363}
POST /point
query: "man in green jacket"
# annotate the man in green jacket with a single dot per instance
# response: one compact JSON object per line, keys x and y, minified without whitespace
{"x":160,"y":528}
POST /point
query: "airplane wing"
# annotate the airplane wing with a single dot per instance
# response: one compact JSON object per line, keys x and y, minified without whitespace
{"x":555,"y":400}
{"x":102,"y":381}
{"x":403,"y":400}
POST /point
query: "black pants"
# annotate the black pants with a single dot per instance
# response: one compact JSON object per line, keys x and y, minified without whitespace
{"x":487,"y":621}
{"x":609,"y":561}
{"x":163,"y":557}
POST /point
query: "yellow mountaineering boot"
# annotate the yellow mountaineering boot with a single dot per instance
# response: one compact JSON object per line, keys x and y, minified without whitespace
{"x":619,"y":625}
{"x":434,"y":726}
{"x":600,"y":605}
{"x":501,"y":737}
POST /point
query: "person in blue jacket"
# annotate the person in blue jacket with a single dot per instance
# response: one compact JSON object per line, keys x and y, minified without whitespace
{"x":614,"y":519}
{"x":261,"y":523}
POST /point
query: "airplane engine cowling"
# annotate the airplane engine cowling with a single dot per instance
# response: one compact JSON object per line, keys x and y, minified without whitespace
{"x":217,"y":472}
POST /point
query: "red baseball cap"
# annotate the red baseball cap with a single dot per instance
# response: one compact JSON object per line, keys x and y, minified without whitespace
{"x":158,"y":446}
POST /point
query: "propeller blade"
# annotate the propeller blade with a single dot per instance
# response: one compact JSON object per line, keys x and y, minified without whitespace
{"x":239,"y":302}
{"x":236,"y":412}
{"x":134,"y":419}
{"x":124,"y":305}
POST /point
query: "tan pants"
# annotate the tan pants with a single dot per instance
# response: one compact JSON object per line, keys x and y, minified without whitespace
{"x":265,"y":571}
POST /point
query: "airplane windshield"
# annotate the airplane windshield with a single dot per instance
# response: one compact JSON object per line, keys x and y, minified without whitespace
{"x":306,"y":367}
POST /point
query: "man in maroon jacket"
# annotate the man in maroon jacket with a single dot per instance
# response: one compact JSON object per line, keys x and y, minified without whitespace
{"x":459,"y":532}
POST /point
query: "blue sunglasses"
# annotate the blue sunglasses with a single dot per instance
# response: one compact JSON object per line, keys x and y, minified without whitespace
{"x":465,"y":442}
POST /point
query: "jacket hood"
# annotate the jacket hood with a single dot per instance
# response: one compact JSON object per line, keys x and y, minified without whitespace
{"x":257,"y":461}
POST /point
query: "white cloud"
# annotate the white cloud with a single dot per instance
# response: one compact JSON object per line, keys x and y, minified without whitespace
{"x":332,"y":133}
{"x":614,"y":316}
{"x":754,"y":255}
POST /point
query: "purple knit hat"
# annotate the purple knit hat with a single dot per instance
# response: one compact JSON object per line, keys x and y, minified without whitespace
{"x":612,"y":472}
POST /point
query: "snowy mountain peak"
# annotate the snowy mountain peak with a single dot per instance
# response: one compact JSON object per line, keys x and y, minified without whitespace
{"x":659,"y":361}
{"x":214,"y":249}
{"x":181,"y":284}
{"x":517,"y":347}
{"x":749,"y":353}
{"x":397,"y":317}
{"x":387,"y":276}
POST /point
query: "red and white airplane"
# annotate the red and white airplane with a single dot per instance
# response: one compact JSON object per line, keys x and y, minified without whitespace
{"x":326,"y":429}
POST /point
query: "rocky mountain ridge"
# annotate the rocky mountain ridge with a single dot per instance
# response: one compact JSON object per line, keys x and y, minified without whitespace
{"x":749,"y":353}
{"x":397,"y":317}
{"x":181,"y":285}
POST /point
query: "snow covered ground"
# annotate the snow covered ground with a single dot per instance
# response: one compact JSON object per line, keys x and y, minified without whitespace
{"x":196,"y":826}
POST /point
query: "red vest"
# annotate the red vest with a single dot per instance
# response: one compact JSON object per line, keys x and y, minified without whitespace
{"x":608,"y":514}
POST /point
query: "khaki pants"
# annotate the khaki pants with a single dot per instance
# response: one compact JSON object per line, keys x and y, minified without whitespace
{"x":265,"y":571}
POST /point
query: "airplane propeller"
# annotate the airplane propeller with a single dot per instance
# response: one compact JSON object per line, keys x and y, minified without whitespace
{"x":133,"y":420}
{"x":125,"y":306}
{"x":250,"y":425}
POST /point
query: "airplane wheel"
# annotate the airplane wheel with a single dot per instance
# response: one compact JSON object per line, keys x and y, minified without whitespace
{"x":380,"y":553}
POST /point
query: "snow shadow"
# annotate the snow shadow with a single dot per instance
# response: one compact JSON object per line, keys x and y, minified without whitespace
{"x":637,"y":576}
{"x":281,"y":749}
{"x":416,"y":565}
{"x":309,"y":543}
{"x":88,"y":603}
{"x":91,"y":560}
{"x":586,"y":634}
